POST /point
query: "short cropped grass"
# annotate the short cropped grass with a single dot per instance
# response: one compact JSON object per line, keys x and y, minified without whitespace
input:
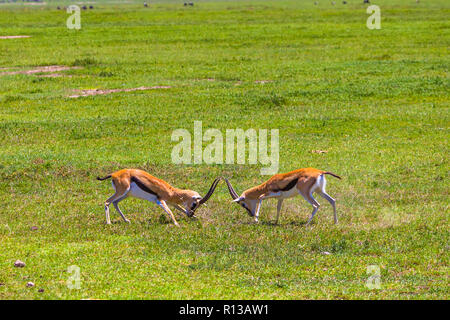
{"x":377,"y":101}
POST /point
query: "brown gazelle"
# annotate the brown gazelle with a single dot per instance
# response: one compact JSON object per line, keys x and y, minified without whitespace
{"x":286,"y":185}
{"x":139,"y":184}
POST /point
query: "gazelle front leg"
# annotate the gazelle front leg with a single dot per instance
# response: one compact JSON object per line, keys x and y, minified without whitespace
{"x":163,"y":205}
{"x":179,"y":208}
{"x":280,"y":202}
{"x":257,"y":210}
{"x":261,"y":198}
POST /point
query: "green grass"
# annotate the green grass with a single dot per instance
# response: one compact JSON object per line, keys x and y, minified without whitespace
{"x":376,"y":100}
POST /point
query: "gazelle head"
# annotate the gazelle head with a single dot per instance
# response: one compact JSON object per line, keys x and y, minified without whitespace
{"x":194,"y":200}
{"x":243,"y":201}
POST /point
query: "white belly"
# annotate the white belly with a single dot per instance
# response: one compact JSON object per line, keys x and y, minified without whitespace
{"x":290,"y":193}
{"x":283,"y":194}
{"x":137,"y":192}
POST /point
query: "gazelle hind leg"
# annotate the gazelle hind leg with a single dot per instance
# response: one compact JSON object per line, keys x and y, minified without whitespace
{"x":307,"y":192}
{"x":314,"y":203}
{"x":110,"y":200}
{"x":120,"y":192}
{"x":331,"y":201}
{"x":108,"y":219}
{"x":327,"y":197}
{"x":116,"y":206}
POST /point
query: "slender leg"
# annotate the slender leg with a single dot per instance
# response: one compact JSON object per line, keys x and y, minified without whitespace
{"x":332,"y":202}
{"x":108,"y":219}
{"x":257,"y":210}
{"x":312,"y":214}
{"x":163,"y":205}
{"x":280,"y":202}
{"x":116,"y":205}
{"x":314,"y":204}
{"x":121,"y":192}
{"x":110,"y":200}
{"x":176,"y":206}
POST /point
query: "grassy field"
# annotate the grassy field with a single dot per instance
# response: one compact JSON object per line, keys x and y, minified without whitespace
{"x":377,"y":101}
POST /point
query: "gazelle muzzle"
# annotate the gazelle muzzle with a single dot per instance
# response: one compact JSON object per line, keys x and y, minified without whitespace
{"x":235,"y":196}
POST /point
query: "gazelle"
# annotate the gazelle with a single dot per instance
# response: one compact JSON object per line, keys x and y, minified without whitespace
{"x":139,"y":184}
{"x":286,"y":185}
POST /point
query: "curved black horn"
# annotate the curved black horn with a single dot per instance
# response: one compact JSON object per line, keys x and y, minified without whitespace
{"x":210,"y":192}
{"x":233,"y":193}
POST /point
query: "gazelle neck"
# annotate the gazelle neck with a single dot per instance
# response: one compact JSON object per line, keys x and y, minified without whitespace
{"x":255,"y":192}
{"x":178,"y":196}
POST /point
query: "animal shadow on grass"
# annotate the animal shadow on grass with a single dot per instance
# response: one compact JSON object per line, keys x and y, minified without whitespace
{"x":273,"y":224}
{"x":280,"y":224}
{"x":142,"y":221}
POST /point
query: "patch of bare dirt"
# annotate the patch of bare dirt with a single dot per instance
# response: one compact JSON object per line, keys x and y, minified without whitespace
{"x":53,"y":75}
{"x":94,"y":92}
{"x":13,"y":37}
{"x":43,"y":69}
{"x":263,"y":81}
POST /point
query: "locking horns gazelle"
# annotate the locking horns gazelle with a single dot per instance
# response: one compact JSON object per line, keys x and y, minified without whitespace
{"x":139,"y":184}
{"x":285,"y":185}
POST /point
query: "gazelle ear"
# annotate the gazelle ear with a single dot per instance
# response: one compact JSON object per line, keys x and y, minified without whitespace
{"x":238,"y":199}
{"x":196,"y":198}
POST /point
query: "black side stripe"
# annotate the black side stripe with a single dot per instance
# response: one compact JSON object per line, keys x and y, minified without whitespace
{"x":143,"y":186}
{"x":289,"y":186}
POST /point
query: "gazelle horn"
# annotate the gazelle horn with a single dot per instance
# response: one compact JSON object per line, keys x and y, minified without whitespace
{"x":231,"y":190}
{"x":210,"y":192}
